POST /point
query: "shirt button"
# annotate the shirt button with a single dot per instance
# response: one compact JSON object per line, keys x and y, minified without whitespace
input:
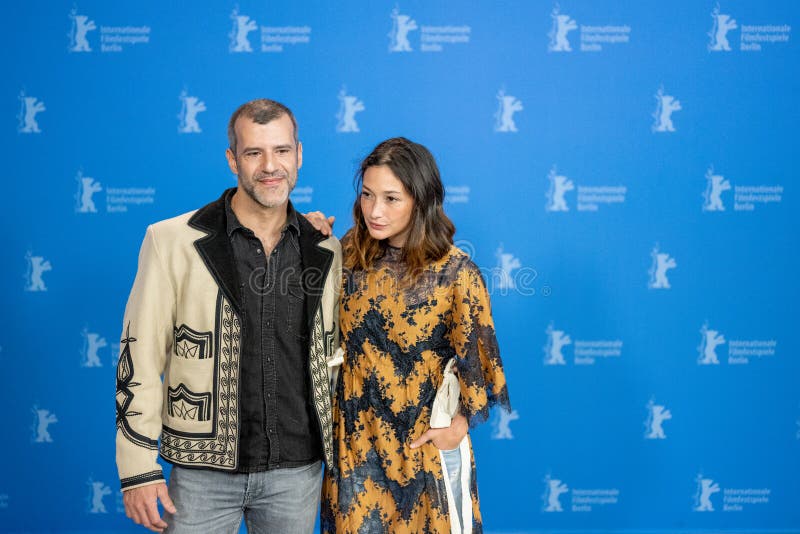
{"x":258,"y":251}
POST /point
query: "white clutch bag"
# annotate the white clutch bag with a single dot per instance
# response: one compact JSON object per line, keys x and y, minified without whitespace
{"x":334,"y":363}
{"x":445,"y":404}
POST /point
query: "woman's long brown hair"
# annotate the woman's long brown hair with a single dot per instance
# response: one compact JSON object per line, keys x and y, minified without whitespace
{"x":431,"y":231}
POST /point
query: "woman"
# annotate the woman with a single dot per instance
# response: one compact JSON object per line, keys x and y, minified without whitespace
{"x":411,"y":302}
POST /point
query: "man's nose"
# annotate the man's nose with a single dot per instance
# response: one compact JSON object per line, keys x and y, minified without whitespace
{"x":269,"y":164}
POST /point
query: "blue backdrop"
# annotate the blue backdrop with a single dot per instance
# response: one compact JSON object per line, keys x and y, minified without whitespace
{"x":622,"y":172}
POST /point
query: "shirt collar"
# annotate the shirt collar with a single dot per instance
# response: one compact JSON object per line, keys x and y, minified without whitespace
{"x":233,"y":223}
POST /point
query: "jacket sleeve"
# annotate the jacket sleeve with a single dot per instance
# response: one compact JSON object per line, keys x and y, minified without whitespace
{"x":147,"y":333}
{"x":480,"y":371}
{"x":335,"y":349}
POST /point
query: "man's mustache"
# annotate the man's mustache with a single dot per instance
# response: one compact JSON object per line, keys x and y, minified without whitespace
{"x":276,"y":174}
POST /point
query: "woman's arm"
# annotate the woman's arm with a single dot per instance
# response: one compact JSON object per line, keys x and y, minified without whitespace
{"x":445,"y":438}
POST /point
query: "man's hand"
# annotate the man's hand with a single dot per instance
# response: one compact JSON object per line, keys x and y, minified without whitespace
{"x":445,"y":438}
{"x":140,"y":505}
{"x":320,"y":222}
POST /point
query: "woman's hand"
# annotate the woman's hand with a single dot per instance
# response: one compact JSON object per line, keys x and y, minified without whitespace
{"x":445,"y":438}
{"x":318,"y":220}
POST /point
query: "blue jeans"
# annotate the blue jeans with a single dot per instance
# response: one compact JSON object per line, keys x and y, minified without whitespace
{"x":279,"y":500}
{"x":452,"y":461}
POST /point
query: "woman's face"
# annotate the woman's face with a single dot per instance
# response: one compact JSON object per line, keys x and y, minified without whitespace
{"x":386,"y":205}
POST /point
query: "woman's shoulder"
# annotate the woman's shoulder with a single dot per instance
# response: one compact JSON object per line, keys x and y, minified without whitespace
{"x":457,"y":262}
{"x":462,"y":257}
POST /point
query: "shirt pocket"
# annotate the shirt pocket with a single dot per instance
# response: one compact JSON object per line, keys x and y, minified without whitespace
{"x":296,"y":297}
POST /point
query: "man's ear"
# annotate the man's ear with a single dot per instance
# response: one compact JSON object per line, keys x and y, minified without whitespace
{"x":299,"y":155}
{"x":232,"y":161}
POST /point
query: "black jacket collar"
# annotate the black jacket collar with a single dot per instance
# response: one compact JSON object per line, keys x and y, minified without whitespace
{"x":217,"y":253}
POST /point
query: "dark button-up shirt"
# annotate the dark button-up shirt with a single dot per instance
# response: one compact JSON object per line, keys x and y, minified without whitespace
{"x":278,"y":424}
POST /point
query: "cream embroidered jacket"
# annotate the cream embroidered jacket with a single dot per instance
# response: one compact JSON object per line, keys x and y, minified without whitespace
{"x":178,"y":372}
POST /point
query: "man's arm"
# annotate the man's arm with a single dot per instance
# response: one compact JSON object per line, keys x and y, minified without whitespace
{"x":146,"y":343}
{"x":140,"y":505}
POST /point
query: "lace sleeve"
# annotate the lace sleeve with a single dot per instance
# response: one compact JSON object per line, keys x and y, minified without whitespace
{"x":480,"y":370}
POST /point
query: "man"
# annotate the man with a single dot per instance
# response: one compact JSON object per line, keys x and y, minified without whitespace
{"x":230,"y":324}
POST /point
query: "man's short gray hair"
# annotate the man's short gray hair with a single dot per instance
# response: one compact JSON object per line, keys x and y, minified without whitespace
{"x":260,"y":111}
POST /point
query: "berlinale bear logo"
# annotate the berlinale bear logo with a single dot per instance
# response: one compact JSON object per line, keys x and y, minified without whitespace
{"x":506,"y":264}
{"x":719,"y":31}
{"x":81,"y":25}
{"x":504,"y":116}
{"x":91,"y":344}
{"x":348,"y":107}
{"x":706,"y":487}
{"x":556,"y":341}
{"x":190,"y":107}
{"x":710,"y":340}
{"x":656,"y":415}
{"x":665,"y":107}
{"x":37,"y":266}
{"x":658,"y":270}
{"x":42,"y":420}
{"x":562,"y":25}
{"x":29,"y":107}
{"x":716,"y":184}
{"x":502,"y":428}
{"x":559,"y":185}
{"x":401,"y":26}
{"x":554,"y":488}
{"x":87,"y":187}
{"x":97,"y":490}
{"x":242,"y":25}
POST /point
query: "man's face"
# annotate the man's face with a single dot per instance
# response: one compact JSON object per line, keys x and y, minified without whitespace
{"x":267,"y":160}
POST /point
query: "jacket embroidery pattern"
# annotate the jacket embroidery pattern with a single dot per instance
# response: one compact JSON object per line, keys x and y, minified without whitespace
{"x":192,"y":345}
{"x":219,"y":449}
{"x":125,"y":385}
{"x":188,"y":405}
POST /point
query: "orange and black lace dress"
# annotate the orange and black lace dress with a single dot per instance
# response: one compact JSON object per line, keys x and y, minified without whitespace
{"x":397,"y":342}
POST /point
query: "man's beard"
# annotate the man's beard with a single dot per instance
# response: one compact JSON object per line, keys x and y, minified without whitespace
{"x":262,"y":197}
